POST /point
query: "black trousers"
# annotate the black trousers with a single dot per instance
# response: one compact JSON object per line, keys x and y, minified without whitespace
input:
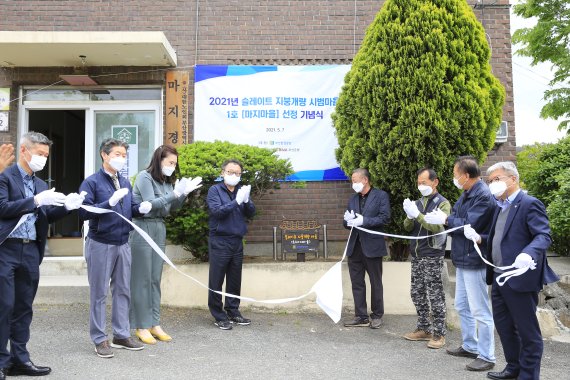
{"x":226,"y":259}
{"x":514,"y":314}
{"x":358,"y":265}
{"x":19,"y":278}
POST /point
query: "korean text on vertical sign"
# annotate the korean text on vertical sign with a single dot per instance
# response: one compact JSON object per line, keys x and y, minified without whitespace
{"x":177,"y":107}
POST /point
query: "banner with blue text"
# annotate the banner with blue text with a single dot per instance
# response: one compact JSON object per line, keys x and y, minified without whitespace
{"x":287,"y":108}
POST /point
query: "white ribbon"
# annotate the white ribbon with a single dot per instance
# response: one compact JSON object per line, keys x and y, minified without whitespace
{"x":501,"y":279}
{"x":328,"y":289}
{"x":22,"y":220}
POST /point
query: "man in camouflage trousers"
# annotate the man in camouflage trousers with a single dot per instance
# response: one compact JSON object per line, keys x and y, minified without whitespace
{"x":427,"y":261}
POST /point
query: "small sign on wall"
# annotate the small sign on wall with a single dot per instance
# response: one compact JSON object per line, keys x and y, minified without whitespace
{"x":3,"y":121}
{"x":4,"y":98}
{"x":130,"y":135}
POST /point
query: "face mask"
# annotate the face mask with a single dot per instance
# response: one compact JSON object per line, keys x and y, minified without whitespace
{"x":357,"y":186}
{"x":457,"y":184}
{"x":117,"y":163}
{"x":168,"y":170}
{"x":498,"y":188}
{"x":425,"y":190}
{"x":231,"y":180}
{"x":37,"y":162}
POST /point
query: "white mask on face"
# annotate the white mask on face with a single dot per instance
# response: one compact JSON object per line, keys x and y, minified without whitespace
{"x":117,"y":163}
{"x":231,"y":180}
{"x":358,"y":186}
{"x":498,"y":188}
{"x":168,"y":170}
{"x":457,"y":184}
{"x":37,"y":162}
{"x":425,"y":190}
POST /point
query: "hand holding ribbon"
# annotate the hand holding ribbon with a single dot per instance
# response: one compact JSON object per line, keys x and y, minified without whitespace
{"x":349,"y":215}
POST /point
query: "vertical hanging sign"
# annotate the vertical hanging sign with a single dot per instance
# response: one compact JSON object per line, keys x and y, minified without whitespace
{"x":177,"y":107}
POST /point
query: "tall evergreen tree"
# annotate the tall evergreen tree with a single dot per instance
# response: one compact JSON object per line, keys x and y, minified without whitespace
{"x":420,"y":93}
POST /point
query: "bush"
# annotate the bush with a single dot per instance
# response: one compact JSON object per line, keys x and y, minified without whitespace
{"x":262,"y":170}
{"x":544,"y":173}
{"x":559,"y":214}
{"x":420,"y":93}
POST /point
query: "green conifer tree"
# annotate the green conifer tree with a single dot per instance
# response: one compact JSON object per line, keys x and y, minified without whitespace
{"x":420,"y":93}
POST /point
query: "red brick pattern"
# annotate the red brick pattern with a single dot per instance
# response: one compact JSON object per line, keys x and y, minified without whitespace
{"x":295,"y":32}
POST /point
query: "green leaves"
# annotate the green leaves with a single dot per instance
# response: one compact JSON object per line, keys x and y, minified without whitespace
{"x":420,"y":93}
{"x":549,"y":41}
{"x":262,"y":170}
{"x":545,"y":173}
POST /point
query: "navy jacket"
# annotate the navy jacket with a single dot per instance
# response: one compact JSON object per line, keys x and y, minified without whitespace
{"x":107,"y":228}
{"x":376,"y":215}
{"x":14,"y":204}
{"x":475,"y":207}
{"x":526,"y":230}
{"x":227,"y":218}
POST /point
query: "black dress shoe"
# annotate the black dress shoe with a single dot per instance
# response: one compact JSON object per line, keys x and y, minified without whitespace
{"x":504,"y":374}
{"x":461,"y":352}
{"x":480,"y":365}
{"x":27,"y":369}
{"x":3,"y":373}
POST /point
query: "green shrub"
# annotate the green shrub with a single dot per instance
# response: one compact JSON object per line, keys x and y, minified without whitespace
{"x":262,"y":170}
{"x":420,"y":93}
{"x":559,"y":214}
{"x":545,"y":173}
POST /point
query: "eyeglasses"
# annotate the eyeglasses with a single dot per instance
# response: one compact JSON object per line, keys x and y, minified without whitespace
{"x":230,"y":172}
{"x":496,"y":179}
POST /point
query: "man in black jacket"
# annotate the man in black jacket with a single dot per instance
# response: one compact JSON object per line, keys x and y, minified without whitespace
{"x":229,"y":207}
{"x":370,"y":209}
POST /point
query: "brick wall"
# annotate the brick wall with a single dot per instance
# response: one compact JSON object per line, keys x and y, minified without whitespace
{"x":243,"y":32}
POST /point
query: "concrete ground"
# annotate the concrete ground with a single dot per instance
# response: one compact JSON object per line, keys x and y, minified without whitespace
{"x":275,"y":346}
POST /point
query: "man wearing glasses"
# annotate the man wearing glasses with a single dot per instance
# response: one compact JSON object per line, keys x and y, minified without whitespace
{"x":229,"y":207}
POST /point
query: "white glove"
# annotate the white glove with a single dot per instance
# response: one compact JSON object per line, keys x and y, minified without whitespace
{"x":349,"y":215}
{"x":470,"y":233}
{"x":50,"y":198}
{"x":73,"y":200}
{"x":411,"y":209}
{"x":436,"y":217}
{"x":192,"y":184}
{"x":247,"y":191}
{"x":145,"y":207}
{"x":240,"y":196}
{"x":179,"y":187}
{"x":356,"y":222}
{"x":117,"y":196}
{"x":524,"y":260}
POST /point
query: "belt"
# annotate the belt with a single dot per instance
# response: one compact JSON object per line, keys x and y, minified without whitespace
{"x":20,"y":240}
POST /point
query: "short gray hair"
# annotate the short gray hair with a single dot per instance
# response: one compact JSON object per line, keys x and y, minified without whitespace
{"x":508,"y":166}
{"x":31,"y":138}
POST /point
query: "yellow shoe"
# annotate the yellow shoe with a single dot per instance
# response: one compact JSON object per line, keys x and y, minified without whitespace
{"x":159,"y":333}
{"x":145,"y":336}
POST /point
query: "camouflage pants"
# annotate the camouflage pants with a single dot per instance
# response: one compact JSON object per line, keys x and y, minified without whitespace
{"x":427,"y":289}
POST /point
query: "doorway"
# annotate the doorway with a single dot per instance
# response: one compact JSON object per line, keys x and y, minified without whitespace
{"x":66,"y":163}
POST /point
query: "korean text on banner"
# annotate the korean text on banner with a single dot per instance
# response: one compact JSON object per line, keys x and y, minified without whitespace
{"x":287,"y":108}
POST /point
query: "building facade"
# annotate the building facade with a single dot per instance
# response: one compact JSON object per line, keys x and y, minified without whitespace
{"x":128,"y":47}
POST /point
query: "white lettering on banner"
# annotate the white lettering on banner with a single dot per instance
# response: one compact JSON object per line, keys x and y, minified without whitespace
{"x":328,"y":289}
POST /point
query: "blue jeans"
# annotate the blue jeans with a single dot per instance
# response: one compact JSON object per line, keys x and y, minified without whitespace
{"x":474,"y":308}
